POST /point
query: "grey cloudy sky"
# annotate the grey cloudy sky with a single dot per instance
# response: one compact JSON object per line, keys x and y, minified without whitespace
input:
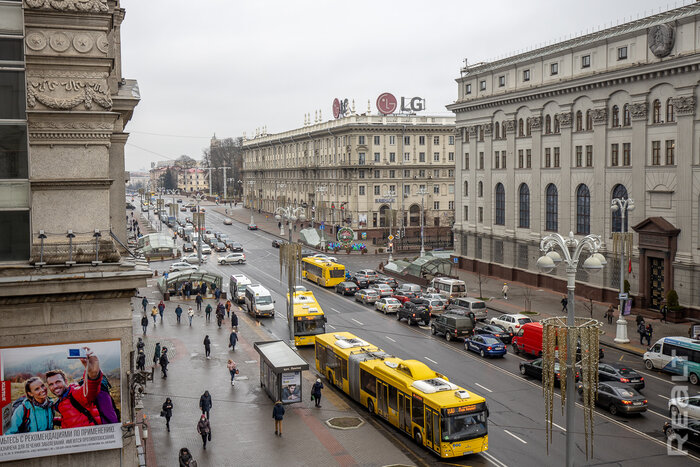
{"x":228,"y":67}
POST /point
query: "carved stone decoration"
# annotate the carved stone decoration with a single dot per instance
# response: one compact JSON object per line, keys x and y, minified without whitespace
{"x":661,"y":39}
{"x":536,"y":123}
{"x":96,"y":6}
{"x":473,"y":131}
{"x":600,"y":116}
{"x":509,"y":126}
{"x":102,"y":43}
{"x":66,"y":95}
{"x":82,"y":43}
{"x":36,"y":41}
{"x":565,"y":119}
{"x":638,"y":111}
{"x":59,"y":42}
{"x":488,"y":129}
{"x":684,"y":105}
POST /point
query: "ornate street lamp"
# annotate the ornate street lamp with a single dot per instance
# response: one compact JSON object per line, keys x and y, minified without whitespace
{"x":391,"y":196}
{"x":622,"y":241}
{"x":290,"y":255}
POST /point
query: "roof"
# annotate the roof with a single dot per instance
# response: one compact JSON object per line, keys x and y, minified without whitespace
{"x":280,"y":356}
{"x":656,"y":224}
{"x":154,"y":241}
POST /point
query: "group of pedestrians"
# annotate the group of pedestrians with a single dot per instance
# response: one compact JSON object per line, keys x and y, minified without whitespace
{"x":644,"y":330}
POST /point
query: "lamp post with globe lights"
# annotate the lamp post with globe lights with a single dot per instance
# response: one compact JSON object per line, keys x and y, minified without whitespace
{"x":571,"y":248}
{"x":622,"y":205}
{"x":422,"y":192}
{"x":290,"y":214}
{"x":321,"y":190}
{"x":391,"y":196}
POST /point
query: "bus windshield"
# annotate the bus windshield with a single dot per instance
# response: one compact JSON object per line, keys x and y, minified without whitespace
{"x":263,"y":300}
{"x":309,"y":327}
{"x":462,"y":427}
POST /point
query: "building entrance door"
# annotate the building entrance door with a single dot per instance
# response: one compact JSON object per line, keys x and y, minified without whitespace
{"x":656,"y":282}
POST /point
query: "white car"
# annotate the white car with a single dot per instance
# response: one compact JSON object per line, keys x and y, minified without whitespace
{"x":683,"y":405}
{"x":387,"y":305}
{"x":438,"y":296}
{"x":384,"y":290}
{"x":192,"y":258}
{"x":232,"y":258}
{"x":511,"y":322}
{"x":182,"y":266}
{"x":228,"y":221}
{"x":206,"y":249}
{"x":326,"y":257}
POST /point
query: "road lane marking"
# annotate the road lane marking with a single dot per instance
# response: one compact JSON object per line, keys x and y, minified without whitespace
{"x":516,"y":437}
{"x":483,"y":387}
{"x":335,"y":310}
{"x":330,"y":326}
{"x":431,"y":360}
{"x":657,"y":413}
{"x":493,"y":459}
{"x":621,"y":357}
{"x":392,"y":340}
{"x":357,"y":321}
{"x":554,"y":424}
{"x":655,"y":377}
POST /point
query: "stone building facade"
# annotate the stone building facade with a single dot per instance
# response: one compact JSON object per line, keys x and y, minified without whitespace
{"x":547,"y":138}
{"x":343,"y":172}
{"x":64,"y":276}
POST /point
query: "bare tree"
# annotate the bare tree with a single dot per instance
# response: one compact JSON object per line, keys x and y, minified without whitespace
{"x":482,"y":280}
{"x":527,"y":295}
{"x":227,"y":153}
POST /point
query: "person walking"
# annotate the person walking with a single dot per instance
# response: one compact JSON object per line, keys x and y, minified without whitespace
{"x":161,"y":310}
{"x":140,"y":345}
{"x":163,"y":360}
{"x":664,"y":311}
{"x":505,"y":291}
{"x":144,"y":303}
{"x":186,"y":459}
{"x":649,"y":333}
{"x":642,"y":332}
{"x":154,"y":314}
{"x":141,"y":361}
{"x":207,"y":311}
{"x":198,"y":300}
{"x":640,"y":320}
{"x":156,"y":353}
{"x":231,"y":365}
{"x":167,"y":412}
{"x":564,"y":304}
{"x":228,"y":308}
{"x":316,"y":392}
{"x":609,"y":314}
{"x":205,"y":403}
{"x":232,"y":340}
{"x":188,"y":289}
{"x":234,"y":321}
{"x":204,"y":430}
{"x":278,"y":415}
{"x":190,"y":314}
{"x":207,"y":346}
{"x":203,"y":289}
{"x":144,"y":323}
{"x":217,"y":294}
{"x":178,"y":313}
{"x":220,"y":313}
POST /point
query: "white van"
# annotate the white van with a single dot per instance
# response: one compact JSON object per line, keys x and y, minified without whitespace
{"x":677,"y":355}
{"x":453,"y":288}
{"x":258,"y":301}
{"x":237,"y":286}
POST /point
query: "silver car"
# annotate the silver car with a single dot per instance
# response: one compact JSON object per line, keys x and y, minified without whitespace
{"x":384,"y":290}
{"x":367,"y":296}
{"x":387,"y":305}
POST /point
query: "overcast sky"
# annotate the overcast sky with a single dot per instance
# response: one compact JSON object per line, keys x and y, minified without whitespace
{"x":227,"y":67}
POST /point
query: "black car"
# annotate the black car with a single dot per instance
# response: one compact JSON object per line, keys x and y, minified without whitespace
{"x":235,"y":246}
{"x":277,"y":243}
{"x":618,"y":398}
{"x":690,"y":432}
{"x":534,"y":368}
{"x":413,"y":312}
{"x":130,"y":206}
{"x":494,"y":329}
{"x":390,"y":281}
{"x":187,"y":247}
{"x":620,"y":374}
{"x":361,"y":281}
{"x":346,"y":288}
{"x":252,"y":227}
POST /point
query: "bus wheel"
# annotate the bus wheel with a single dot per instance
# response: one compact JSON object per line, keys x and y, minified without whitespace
{"x":693,"y":378}
{"x":370,"y":406}
{"x":418,"y":437}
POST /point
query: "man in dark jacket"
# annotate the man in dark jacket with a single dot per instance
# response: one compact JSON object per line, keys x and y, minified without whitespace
{"x":278,"y":415}
{"x":167,"y":412}
{"x":144,"y":323}
{"x":185,"y":457}
{"x":207,"y":346}
{"x":161,"y":310}
{"x":316,"y":392}
{"x":163,"y":360}
{"x":178,"y":313}
{"x":203,"y":289}
{"x":220,"y":313}
{"x":232,"y":340}
{"x":207,"y":311}
{"x":234,"y":321}
{"x":144,"y":303}
{"x":156,"y":353}
{"x":198,"y":300}
{"x":205,"y":403}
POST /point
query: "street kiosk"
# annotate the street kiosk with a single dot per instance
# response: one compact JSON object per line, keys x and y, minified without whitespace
{"x":280,"y":371}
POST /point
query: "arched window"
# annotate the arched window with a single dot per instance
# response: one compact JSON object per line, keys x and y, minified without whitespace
{"x":528,"y":127}
{"x":547,"y":125}
{"x":521,"y":129}
{"x":524,"y":211}
{"x":579,"y":121}
{"x":466,"y":188}
{"x":556,"y":124}
{"x":414,"y":215}
{"x":497,"y":130}
{"x":669,"y":111}
{"x":626,"y":121}
{"x":480,"y":189}
{"x":589,"y":120}
{"x":500,"y":205}
{"x":552,"y":213}
{"x":583,"y":210}
{"x":615,"y":116}
{"x":619,"y":192}
{"x":656,"y":115}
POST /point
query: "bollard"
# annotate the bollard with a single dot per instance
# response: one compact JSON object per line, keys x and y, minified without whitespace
{"x":155,"y":273}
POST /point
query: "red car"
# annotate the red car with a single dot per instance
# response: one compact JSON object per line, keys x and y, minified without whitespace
{"x":403,"y":297}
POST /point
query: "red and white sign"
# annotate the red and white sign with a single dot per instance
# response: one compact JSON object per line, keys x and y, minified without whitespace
{"x":386,"y":103}
{"x":336,"y":108}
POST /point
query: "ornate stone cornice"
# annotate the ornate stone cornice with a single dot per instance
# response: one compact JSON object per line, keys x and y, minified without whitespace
{"x":565,"y":119}
{"x":509,"y":126}
{"x":599,"y":116}
{"x":536,"y":123}
{"x":488,"y":129}
{"x":74,"y":184}
{"x":684,"y":105}
{"x":69,"y":125}
{"x":638,"y":110}
{"x":75,"y":43}
{"x":94,"y":6}
{"x":473,"y":131}
{"x":67,"y":94}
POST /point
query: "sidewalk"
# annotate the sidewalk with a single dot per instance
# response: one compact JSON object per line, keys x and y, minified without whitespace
{"x":241,"y":416}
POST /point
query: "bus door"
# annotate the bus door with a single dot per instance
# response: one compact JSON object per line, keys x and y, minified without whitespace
{"x":382,"y":391}
{"x":432,"y":429}
{"x":405,"y":412}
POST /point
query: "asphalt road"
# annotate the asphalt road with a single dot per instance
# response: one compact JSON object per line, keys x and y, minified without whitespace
{"x":516,"y":403}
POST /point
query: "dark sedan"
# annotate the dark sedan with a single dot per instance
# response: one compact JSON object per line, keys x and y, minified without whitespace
{"x":361,"y":281}
{"x":534,"y":368}
{"x":219,"y":246}
{"x":252,"y":227}
{"x":393,"y":283}
{"x":346,"y":288}
{"x":615,"y":372}
{"x":277,"y":243}
{"x":187,"y":247}
{"x":235,"y":246}
{"x":618,"y":398}
{"x":494,"y":329}
{"x":689,"y":432}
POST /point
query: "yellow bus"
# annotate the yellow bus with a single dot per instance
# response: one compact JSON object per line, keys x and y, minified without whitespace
{"x":445,"y":418}
{"x":325,"y":273}
{"x":309,"y":319}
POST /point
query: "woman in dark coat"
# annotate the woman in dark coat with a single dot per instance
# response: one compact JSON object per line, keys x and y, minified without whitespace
{"x":167,"y":412}
{"x":185,"y":457}
{"x":278,"y":415}
{"x":207,"y":346}
{"x":205,"y":403}
{"x":156,"y":354}
{"x":316,"y":392}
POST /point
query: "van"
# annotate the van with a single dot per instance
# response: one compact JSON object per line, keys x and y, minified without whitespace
{"x":452,"y":326}
{"x":528,"y":339}
{"x":677,"y":355}
{"x":258,"y":301}
{"x":407,"y":287}
{"x":451,"y":287}
{"x":237,"y":286}
{"x":467,"y":305}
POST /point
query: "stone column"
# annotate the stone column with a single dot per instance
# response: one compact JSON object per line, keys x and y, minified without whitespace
{"x":566,"y":190}
{"x":684,"y":108}
{"x":117,"y":191}
{"x":512,"y":217}
{"x":638,"y":159}
{"x":537,"y":191}
{"x":489,"y":207}
{"x":600,"y":202}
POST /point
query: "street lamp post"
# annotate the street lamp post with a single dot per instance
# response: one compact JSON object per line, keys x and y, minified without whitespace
{"x":290,"y":214}
{"x":321,"y":190}
{"x":593,"y":263}
{"x":391,"y":196}
{"x":200,"y":227}
{"x":622,"y":205}
{"x":422,"y":192}
{"x":282,"y":186}
{"x":251,"y":185}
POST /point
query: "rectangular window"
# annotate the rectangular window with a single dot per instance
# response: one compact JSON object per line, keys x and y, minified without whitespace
{"x":406,"y":173}
{"x":521,"y":159}
{"x":406,"y":140}
{"x":589,"y":155}
{"x":585,"y":61}
{"x":361,"y":174}
{"x":392,"y":157}
{"x":421,"y":140}
{"x":468,"y":89}
{"x":451,"y":156}
{"x":626,"y":154}
{"x":622,"y":53}
{"x":392,"y":174}
{"x":368,"y":383}
{"x":377,"y":174}
{"x":579,"y":156}
{"x":450,"y":173}
{"x":421,"y":173}
{"x":407,"y":157}
{"x":547,"y":157}
{"x":528,"y":157}
{"x":501,"y":81}
{"x":436,"y":173}
{"x":670,"y":150}
{"x":417,"y":410}
{"x":421,"y":157}
{"x":503,"y":159}
{"x":377,"y":140}
{"x":13,"y":151}
{"x":361,"y":190}
{"x":377,"y":189}
{"x":481,"y":160}
{"x":436,"y":189}
{"x":614,"y":154}
{"x":497,"y":160}
{"x":554,"y":69}
{"x":466,"y":213}
{"x":361,"y":159}
{"x":526,"y":75}
{"x":482,"y":85}
{"x":556,"y":157}
{"x":466,"y":161}
{"x":377,"y":157}
{"x":12,"y":95}
{"x":656,"y":153}
{"x":392,"y":140}
{"x":451,"y":205}
{"x":436,"y":157}
{"x":360,"y":140}
{"x":436,"y":140}
{"x":15,"y":234}
{"x":406,"y":190}
{"x":481,"y":214}
{"x":451,"y":141}
{"x":436,"y":205}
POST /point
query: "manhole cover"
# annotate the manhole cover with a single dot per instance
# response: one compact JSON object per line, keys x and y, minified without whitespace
{"x":345,"y":423}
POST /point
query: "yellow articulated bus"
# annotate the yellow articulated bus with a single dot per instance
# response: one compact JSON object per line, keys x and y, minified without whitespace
{"x":325,"y":273}
{"x":447,"y":419}
{"x":309,"y":319}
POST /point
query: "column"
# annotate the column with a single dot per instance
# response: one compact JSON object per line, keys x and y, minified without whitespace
{"x":117,"y":190}
{"x":684,"y":108}
{"x":639,"y":151}
{"x":511,"y":185}
{"x":537,"y":190}
{"x":600,"y":199}
{"x":489,"y":208}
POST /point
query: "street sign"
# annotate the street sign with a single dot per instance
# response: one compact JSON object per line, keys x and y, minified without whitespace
{"x":623,"y":296}
{"x":455,"y":260}
{"x":391,"y":237}
{"x":322,"y":227}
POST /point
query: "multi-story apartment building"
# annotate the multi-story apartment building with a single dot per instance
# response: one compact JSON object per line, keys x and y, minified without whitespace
{"x":363,"y":171}
{"x":192,"y":180}
{"x":66,"y":281}
{"x":547,"y":138}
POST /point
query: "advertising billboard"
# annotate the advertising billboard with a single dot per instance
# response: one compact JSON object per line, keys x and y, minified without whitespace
{"x":60,"y":399}
{"x":291,"y":387}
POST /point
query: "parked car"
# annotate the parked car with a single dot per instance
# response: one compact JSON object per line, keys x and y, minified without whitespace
{"x":130,"y":206}
{"x":206,"y":249}
{"x":493,"y":329}
{"x":403,"y":297}
{"x":511,"y":322}
{"x":439,"y":296}
{"x":534,"y":368}
{"x":232,"y":258}
{"x":469,"y":304}
{"x":618,"y":398}
{"x":228,"y":221}
{"x":384,"y":290}
{"x":690,"y":431}
{"x":236,"y":246}
{"x":370,"y":273}
{"x":252,"y":227}
{"x":187,"y":247}
{"x":452,"y":326}
{"x":387,"y":305}
{"x":222,"y":237}
{"x":366,"y":296}
{"x":277,"y":243}
{"x":413,"y":312}
{"x":193,"y":258}
{"x":220,"y":246}
{"x":689,"y":405}
{"x":182,"y":266}
{"x":486,"y":345}
{"x":618,"y":373}
{"x":361,"y":281}
{"x":346,"y":288}
{"x":390,"y":281}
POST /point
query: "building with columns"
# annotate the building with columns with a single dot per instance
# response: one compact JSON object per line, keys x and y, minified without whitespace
{"x":547,"y":138}
{"x":362,"y":171}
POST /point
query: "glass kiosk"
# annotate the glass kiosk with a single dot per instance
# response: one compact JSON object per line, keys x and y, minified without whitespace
{"x":280,"y":371}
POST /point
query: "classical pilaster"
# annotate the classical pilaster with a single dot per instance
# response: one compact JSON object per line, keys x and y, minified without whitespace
{"x":685,"y":108}
{"x":537,"y":190}
{"x":599,"y":196}
{"x":638,"y":113}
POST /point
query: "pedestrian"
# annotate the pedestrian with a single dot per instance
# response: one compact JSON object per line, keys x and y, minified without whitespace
{"x":198,"y":300}
{"x":564,"y":304}
{"x":186,"y":459}
{"x":640,"y":320}
{"x":217,"y":294}
{"x":190,"y":314}
{"x":178,"y":313}
{"x":167,"y":412}
{"x":204,"y":430}
{"x":140,"y":345}
{"x":144,"y":323}
{"x":154,"y":314}
{"x":642,"y":332}
{"x":316,"y":392}
{"x":664,"y":311}
{"x":161,"y":309}
{"x":228,"y":308}
{"x":207,"y":311}
{"x":505,"y":291}
{"x":220,"y":313}
{"x":163,"y":360}
{"x":278,"y":415}
{"x":156,"y":353}
{"x":203,"y":289}
{"x":234,"y":321}
{"x":207,"y":346}
{"x":609,"y":314}
{"x":144,"y":302}
{"x":649,"y":333}
{"x":232,"y":340}
{"x":188,"y":289}
{"x":205,"y":403}
{"x":141,"y":361}
{"x":295,"y":227}
{"x":231,"y":365}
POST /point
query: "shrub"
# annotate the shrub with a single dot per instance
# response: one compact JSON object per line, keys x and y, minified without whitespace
{"x":672,"y":300}
{"x":627,"y":286}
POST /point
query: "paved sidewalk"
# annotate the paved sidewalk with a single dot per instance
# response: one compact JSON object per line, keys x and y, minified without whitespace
{"x":241,"y":416}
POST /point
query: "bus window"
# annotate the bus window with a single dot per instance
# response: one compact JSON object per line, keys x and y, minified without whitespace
{"x":436,"y":431}
{"x":392,"y":398}
{"x":368,"y":383}
{"x":344,"y":368}
{"x":331,"y":359}
{"x":321,"y":356}
{"x":337,"y":272}
{"x":417,"y":412}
